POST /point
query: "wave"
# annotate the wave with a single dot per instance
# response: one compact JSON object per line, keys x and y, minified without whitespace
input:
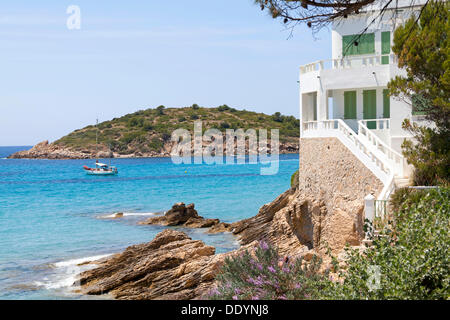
{"x":128,"y":214}
{"x":75,"y":262}
{"x":67,"y":271}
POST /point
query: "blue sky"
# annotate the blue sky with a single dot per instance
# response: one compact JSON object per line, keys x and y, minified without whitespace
{"x":131,"y":55}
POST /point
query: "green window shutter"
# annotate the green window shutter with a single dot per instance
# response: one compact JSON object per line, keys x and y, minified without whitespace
{"x":385,"y":46}
{"x":370,"y":107}
{"x":385,"y":42}
{"x":386,"y":104}
{"x":350,"y":105}
{"x":348,"y":47}
{"x":365,"y":44}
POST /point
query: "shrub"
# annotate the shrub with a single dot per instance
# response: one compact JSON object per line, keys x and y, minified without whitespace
{"x":264,"y":275}
{"x":277,"y":117}
{"x":223,"y":108}
{"x":156,"y":144}
{"x":147,"y":125}
{"x":411,"y":257}
{"x":195,"y":106}
{"x":399,"y":197}
{"x":430,"y":155}
{"x":166,"y":136}
{"x":225,"y":125}
{"x":130,"y":136}
{"x":160,"y":110}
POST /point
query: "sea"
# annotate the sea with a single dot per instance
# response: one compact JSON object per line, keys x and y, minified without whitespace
{"x":53,"y":216}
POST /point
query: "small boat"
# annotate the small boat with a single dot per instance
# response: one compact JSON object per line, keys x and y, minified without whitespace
{"x":101,"y":169}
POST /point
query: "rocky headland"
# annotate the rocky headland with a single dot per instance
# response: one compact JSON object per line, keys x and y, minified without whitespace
{"x":147,"y":133}
{"x":324,"y":211}
{"x":55,"y":151}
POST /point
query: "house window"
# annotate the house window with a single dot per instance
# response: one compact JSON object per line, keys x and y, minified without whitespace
{"x":358,"y":44}
{"x":350,"y":105}
{"x":419,"y":105}
{"x":386,"y":104}
{"x":385,"y":46}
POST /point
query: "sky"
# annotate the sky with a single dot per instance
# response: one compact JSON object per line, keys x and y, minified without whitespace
{"x":132,"y":55}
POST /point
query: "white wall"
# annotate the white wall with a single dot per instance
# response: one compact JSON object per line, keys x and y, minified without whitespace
{"x":307,"y":103}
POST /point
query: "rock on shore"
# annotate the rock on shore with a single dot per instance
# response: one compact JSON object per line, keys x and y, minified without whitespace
{"x":170,"y":267}
{"x":44,"y":150}
{"x":183,"y":215}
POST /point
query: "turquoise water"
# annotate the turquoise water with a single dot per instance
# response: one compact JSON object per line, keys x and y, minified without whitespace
{"x":53,"y":215}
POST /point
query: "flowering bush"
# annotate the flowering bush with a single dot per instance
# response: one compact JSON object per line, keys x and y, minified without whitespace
{"x":408,"y":261}
{"x":263,"y":275}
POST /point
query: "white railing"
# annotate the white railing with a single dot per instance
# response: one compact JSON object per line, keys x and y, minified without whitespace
{"x":380,"y":124}
{"x":398,"y":162}
{"x":348,"y":62}
{"x":338,"y":125}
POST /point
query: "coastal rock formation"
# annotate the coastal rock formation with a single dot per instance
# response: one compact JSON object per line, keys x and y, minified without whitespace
{"x":147,"y":133}
{"x":273,"y":224}
{"x":44,"y":150}
{"x":170,"y":267}
{"x":182,"y":215}
{"x":326,"y":209}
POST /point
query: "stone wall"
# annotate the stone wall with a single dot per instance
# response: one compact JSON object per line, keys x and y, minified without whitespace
{"x":332,"y":187}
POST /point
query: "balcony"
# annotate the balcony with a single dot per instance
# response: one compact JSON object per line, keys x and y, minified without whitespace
{"x":349,"y":62}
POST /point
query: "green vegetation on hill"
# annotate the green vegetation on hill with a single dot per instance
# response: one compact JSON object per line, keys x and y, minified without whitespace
{"x":148,"y":130}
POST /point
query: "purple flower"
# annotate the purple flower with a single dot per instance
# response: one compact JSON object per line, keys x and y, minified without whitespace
{"x":259,"y":266}
{"x":286,"y":269}
{"x":235,"y":297}
{"x":255,"y":298}
{"x":237,"y":291}
{"x":271,"y":269}
{"x":214,"y":292}
{"x":256,"y":282}
{"x":263,"y":245}
{"x":282,"y":297}
{"x":297,"y":286}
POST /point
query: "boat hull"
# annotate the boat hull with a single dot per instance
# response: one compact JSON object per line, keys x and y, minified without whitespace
{"x":100,"y":173}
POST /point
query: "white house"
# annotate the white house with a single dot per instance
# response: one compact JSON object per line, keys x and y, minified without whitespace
{"x":346,"y":96}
